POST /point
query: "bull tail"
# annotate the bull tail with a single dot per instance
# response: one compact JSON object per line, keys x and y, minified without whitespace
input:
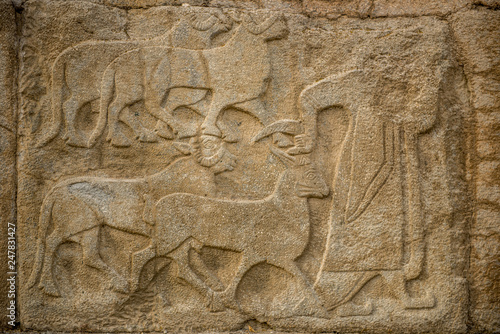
{"x":107,"y":90}
{"x":43,"y":226}
{"x":58,"y":78}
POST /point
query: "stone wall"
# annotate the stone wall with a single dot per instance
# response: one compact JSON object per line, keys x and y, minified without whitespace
{"x":211,"y":165}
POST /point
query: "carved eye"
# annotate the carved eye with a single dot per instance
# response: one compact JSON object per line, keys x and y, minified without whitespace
{"x":311,"y":175}
{"x":210,"y":142}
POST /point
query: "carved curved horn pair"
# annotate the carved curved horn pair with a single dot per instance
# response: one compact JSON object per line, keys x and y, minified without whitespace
{"x":201,"y":25}
{"x":203,"y":160}
{"x":256,"y":28}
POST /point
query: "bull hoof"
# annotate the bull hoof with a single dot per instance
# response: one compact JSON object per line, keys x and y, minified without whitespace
{"x":148,"y":137}
{"x":120,"y":285}
{"x":164,"y":131}
{"x":215,"y":303}
{"x":75,"y":140}
{"x":118,"y":140}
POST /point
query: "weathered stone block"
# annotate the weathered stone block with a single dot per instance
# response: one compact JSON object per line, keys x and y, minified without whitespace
{"x":296,"y":166}
{"x":197,"y":168}
{"x":477,"y":33}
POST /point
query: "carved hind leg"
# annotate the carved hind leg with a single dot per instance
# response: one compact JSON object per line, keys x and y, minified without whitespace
{"x":207,"y":275}
{"x":139,"y":260}
{"x":228,"y":296}
{"x":181,"y":256}
{"x":125,"y":96}
{"x":70,"y":109}
{"x":115,"y":135}
{"x":47,"y":283}
{"x":310,"y":305}
{"x":91,"y":257}
{"x":397,"y":283}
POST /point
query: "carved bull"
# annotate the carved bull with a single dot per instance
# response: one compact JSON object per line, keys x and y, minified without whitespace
{"x":274,"y":229}
{"x":81,"y":67}
{"x":165,"y":78}
{"x":123,"y":204}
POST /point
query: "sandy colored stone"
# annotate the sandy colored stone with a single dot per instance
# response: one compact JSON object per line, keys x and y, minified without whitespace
{"x":186,"y":168}
{"x":7,"y":151}
{"x":477,"y":33}
{"x":239,"y":166}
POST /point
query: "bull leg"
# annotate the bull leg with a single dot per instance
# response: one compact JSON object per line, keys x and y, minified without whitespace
{"x":46,"y":279}
{"x":212,"y":280}
{"x":139,"y":260}
{"x":71,"y":108}
{"x":115,"y":135}
{"x":209,"y":125}
{"x":182,"y":258}
{"x":228,"y":296}
{"x":91,"y":257}
{"x":314,"y":306}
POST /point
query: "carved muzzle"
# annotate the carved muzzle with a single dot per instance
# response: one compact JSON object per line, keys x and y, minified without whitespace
{"x":311,"y":183}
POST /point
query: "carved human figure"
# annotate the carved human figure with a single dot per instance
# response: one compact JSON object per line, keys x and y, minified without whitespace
{"x":123,"y":204}
{"x":80,"y":69}
{"x":367,"y":189}
{"x":242,"y":226}
{"x":235,"y":74}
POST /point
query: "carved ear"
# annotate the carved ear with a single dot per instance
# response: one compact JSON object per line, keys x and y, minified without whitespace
{"x":286,"y":158}
{"x":288,"y":126}
{"x":184,"y":148}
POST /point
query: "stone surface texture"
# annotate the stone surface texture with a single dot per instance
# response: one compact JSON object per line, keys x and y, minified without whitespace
{"x":231,"y":165}
{"x":478,"y":33}
{"x":8,"y":143}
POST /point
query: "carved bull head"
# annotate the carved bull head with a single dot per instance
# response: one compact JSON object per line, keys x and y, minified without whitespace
{"x":309,"y":181}
{"x":210,"y":152}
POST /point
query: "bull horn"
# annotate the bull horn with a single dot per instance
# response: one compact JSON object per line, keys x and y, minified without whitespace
{"x":225,"y":19}
{"x":288,"y":126}
{"x":201,"y":25}
{"x":258,"y":29}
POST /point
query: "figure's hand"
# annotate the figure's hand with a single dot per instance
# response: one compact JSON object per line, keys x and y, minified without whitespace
{"x":303,"y":144}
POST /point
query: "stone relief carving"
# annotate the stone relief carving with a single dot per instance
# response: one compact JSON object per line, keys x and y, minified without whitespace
{"x":356,"y":185}
{"x":210,"y":64}
{"x":90,"y":60}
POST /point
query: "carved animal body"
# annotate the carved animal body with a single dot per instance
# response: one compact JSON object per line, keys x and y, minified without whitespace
{"x":274,"y":229}
{"x":363,"y":170}
{"x":81,"y":67}
{"x":237,"y":75}
{"x":123,"y":204}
